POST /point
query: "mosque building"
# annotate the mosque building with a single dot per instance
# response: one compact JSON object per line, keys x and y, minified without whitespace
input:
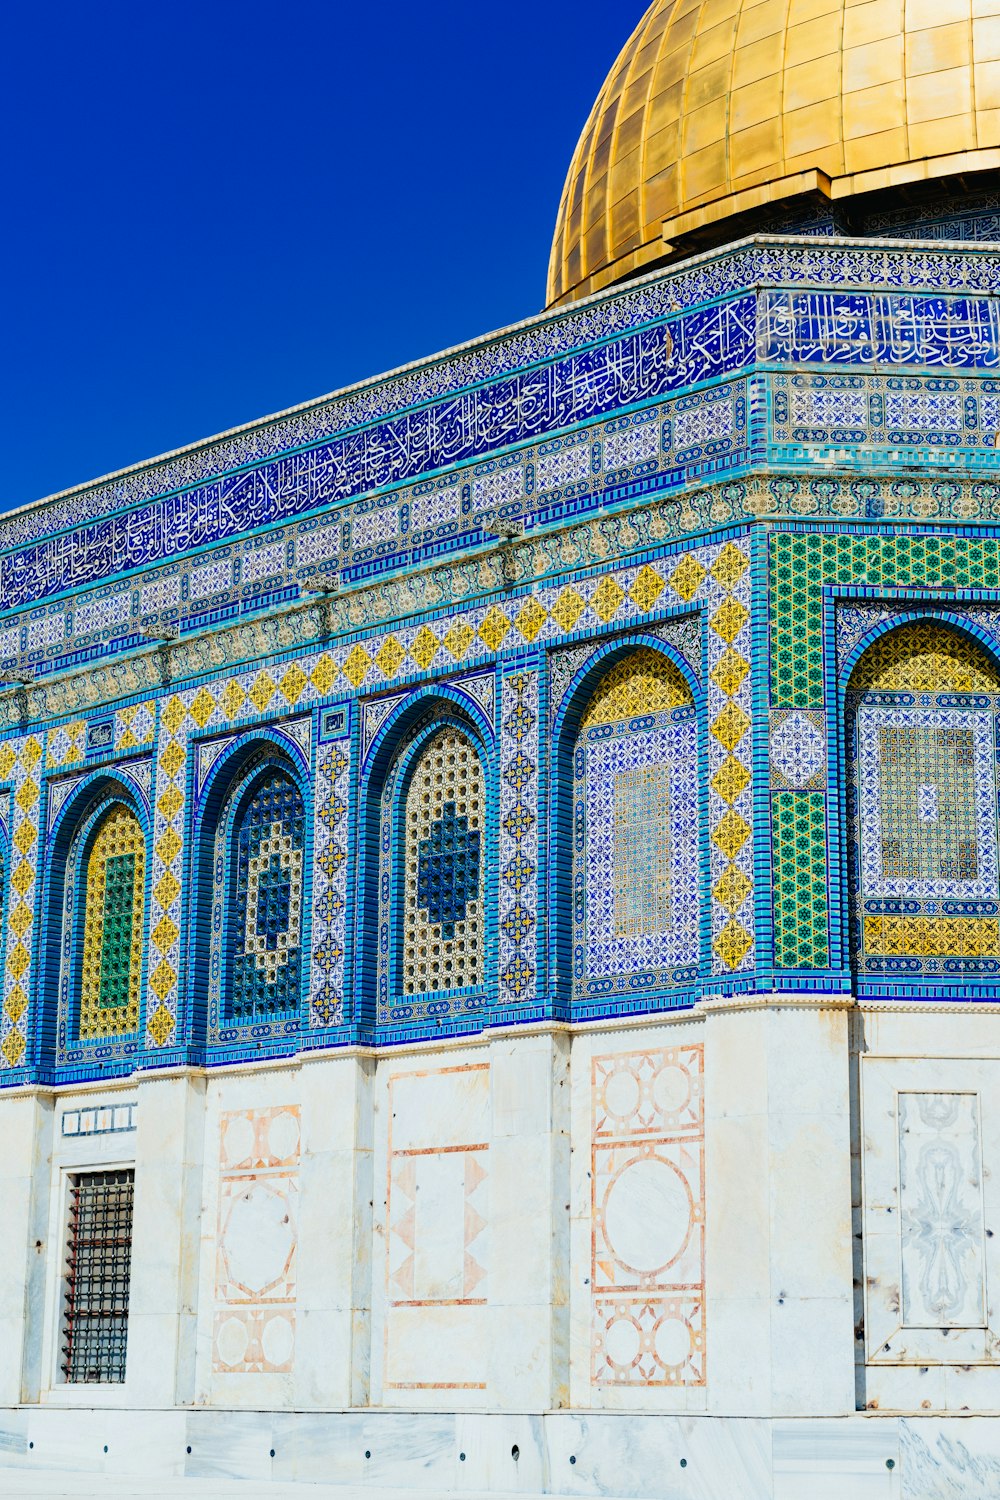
{"x":500,"y":881}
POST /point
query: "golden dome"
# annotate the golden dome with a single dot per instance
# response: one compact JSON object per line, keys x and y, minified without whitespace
{"x":718,"y":106}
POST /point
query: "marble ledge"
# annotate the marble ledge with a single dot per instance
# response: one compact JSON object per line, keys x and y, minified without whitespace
{"x":582,"y":1453}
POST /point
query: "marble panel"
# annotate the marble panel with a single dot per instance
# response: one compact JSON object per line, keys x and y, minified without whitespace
{"x":441,"y":1107}
{"x":931,"y":1143}
{"x":648,"y":1323}
{"x":256,"y":1245}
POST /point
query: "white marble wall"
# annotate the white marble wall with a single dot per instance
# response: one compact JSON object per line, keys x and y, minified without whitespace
{"x":928,"y":1193}
{"x":641,"y":1219}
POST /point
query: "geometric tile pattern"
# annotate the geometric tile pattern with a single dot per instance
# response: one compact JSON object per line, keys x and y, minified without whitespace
{"x":712,"y":579}
{"x":800,"y":880}
{"x":442,"y":938}
{"x":329,"y":891}
{"x":648,"y":1218}
{"x":922,"y":720}
{"x":111,"y":960}
{"x":798,"y":749}
{"x":264,"y":948}
{"x":19,"y":764}
{"x":636,"y":847}
{"x":518,"y":837}
{"x":256,"y":1241}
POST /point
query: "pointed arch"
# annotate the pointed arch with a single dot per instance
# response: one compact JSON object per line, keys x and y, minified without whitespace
{"x":249,"y":935}
{"x":427,"y":922}
{"x":95,"y":920}
{"x":628,"y":848}
{"x":922,"y":707}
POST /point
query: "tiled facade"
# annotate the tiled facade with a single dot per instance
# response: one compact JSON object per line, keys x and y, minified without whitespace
{"x":575,"y":754}
{"x":687,"y":491}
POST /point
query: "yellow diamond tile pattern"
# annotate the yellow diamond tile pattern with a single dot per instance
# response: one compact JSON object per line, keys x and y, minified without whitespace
{"x":20,"y":921}
{"x":425,"y":647}
{"x":162,"y":979}
{"x":166,"y":888}
{"x":730,"y":779}
{"x":493,"y":630}
{"x":568,"y":608}
{"x":233,"y":698}
{"x":17,"y":1003}
{"x":729,"y":619}
{"x":27,"y":794}
{"x":458,"y":640}
{"x":687,"y":578}
{"x":646,"y":588}
{"x":26,"y":837}
{"x":730,"y":725}
{"x":168,"y":845}
{"x":263,"y":691}
{"x":730,"y":833}
{"x":173,"y":715}
{"x":293,"y":684}
{"x":357,"y":666}
{"x":530,"y":620}
{"x":172,"y":758}
{"x":8,"y":759}
{"x":732,"y":944}
{"x":323,"y":674}
{"x":729,"y":566}
{"x":13,"y":1048}
{"x":165,"y":934}
{"x":390,"y":656}
{"x":606,"y":599}
{"x":732,"y":889}
{"x":729,"y":672}
{"x":161,"y":1025}
{"x":202,"y":707}
{"x":171,"y":802}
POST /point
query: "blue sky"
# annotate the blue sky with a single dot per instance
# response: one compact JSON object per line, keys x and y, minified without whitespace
{"x":214,"y":211}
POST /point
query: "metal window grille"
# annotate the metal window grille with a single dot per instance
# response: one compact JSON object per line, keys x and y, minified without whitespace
{"x":98,"y":1265}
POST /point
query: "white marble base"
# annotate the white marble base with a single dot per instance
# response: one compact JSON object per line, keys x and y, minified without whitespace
{"x":683,"y":1457}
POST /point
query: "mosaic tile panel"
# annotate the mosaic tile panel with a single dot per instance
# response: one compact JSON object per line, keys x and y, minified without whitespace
{"x":264,"y":953}
{"x":19,"y":764}
{"x":802,"y":563}
{"x":432,"y":887}
{"x":111,"y":967}
{"x":636,"y":852}
{"x":329,"y":913}
{"x":648,"y":1325}
{"x":800,"y":880}
{"x":923,"y":764}
{"x":798,"y":749}
{"x":518,"y":837}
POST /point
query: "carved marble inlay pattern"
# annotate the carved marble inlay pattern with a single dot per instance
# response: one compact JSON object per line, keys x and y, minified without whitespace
{"x":256,"y":1244}
{"x":648,"y":1215}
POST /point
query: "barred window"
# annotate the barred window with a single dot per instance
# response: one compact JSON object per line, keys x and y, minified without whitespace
{"x":98,"y":1270}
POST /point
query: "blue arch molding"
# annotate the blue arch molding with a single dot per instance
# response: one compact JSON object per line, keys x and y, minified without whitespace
{"x":908,"y":606}
{"x":665,"y":357}
{"x":230,"y":783}
{"x":67,"y":845}
{"x":395,"y":749}
{"x":565,"y":729}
